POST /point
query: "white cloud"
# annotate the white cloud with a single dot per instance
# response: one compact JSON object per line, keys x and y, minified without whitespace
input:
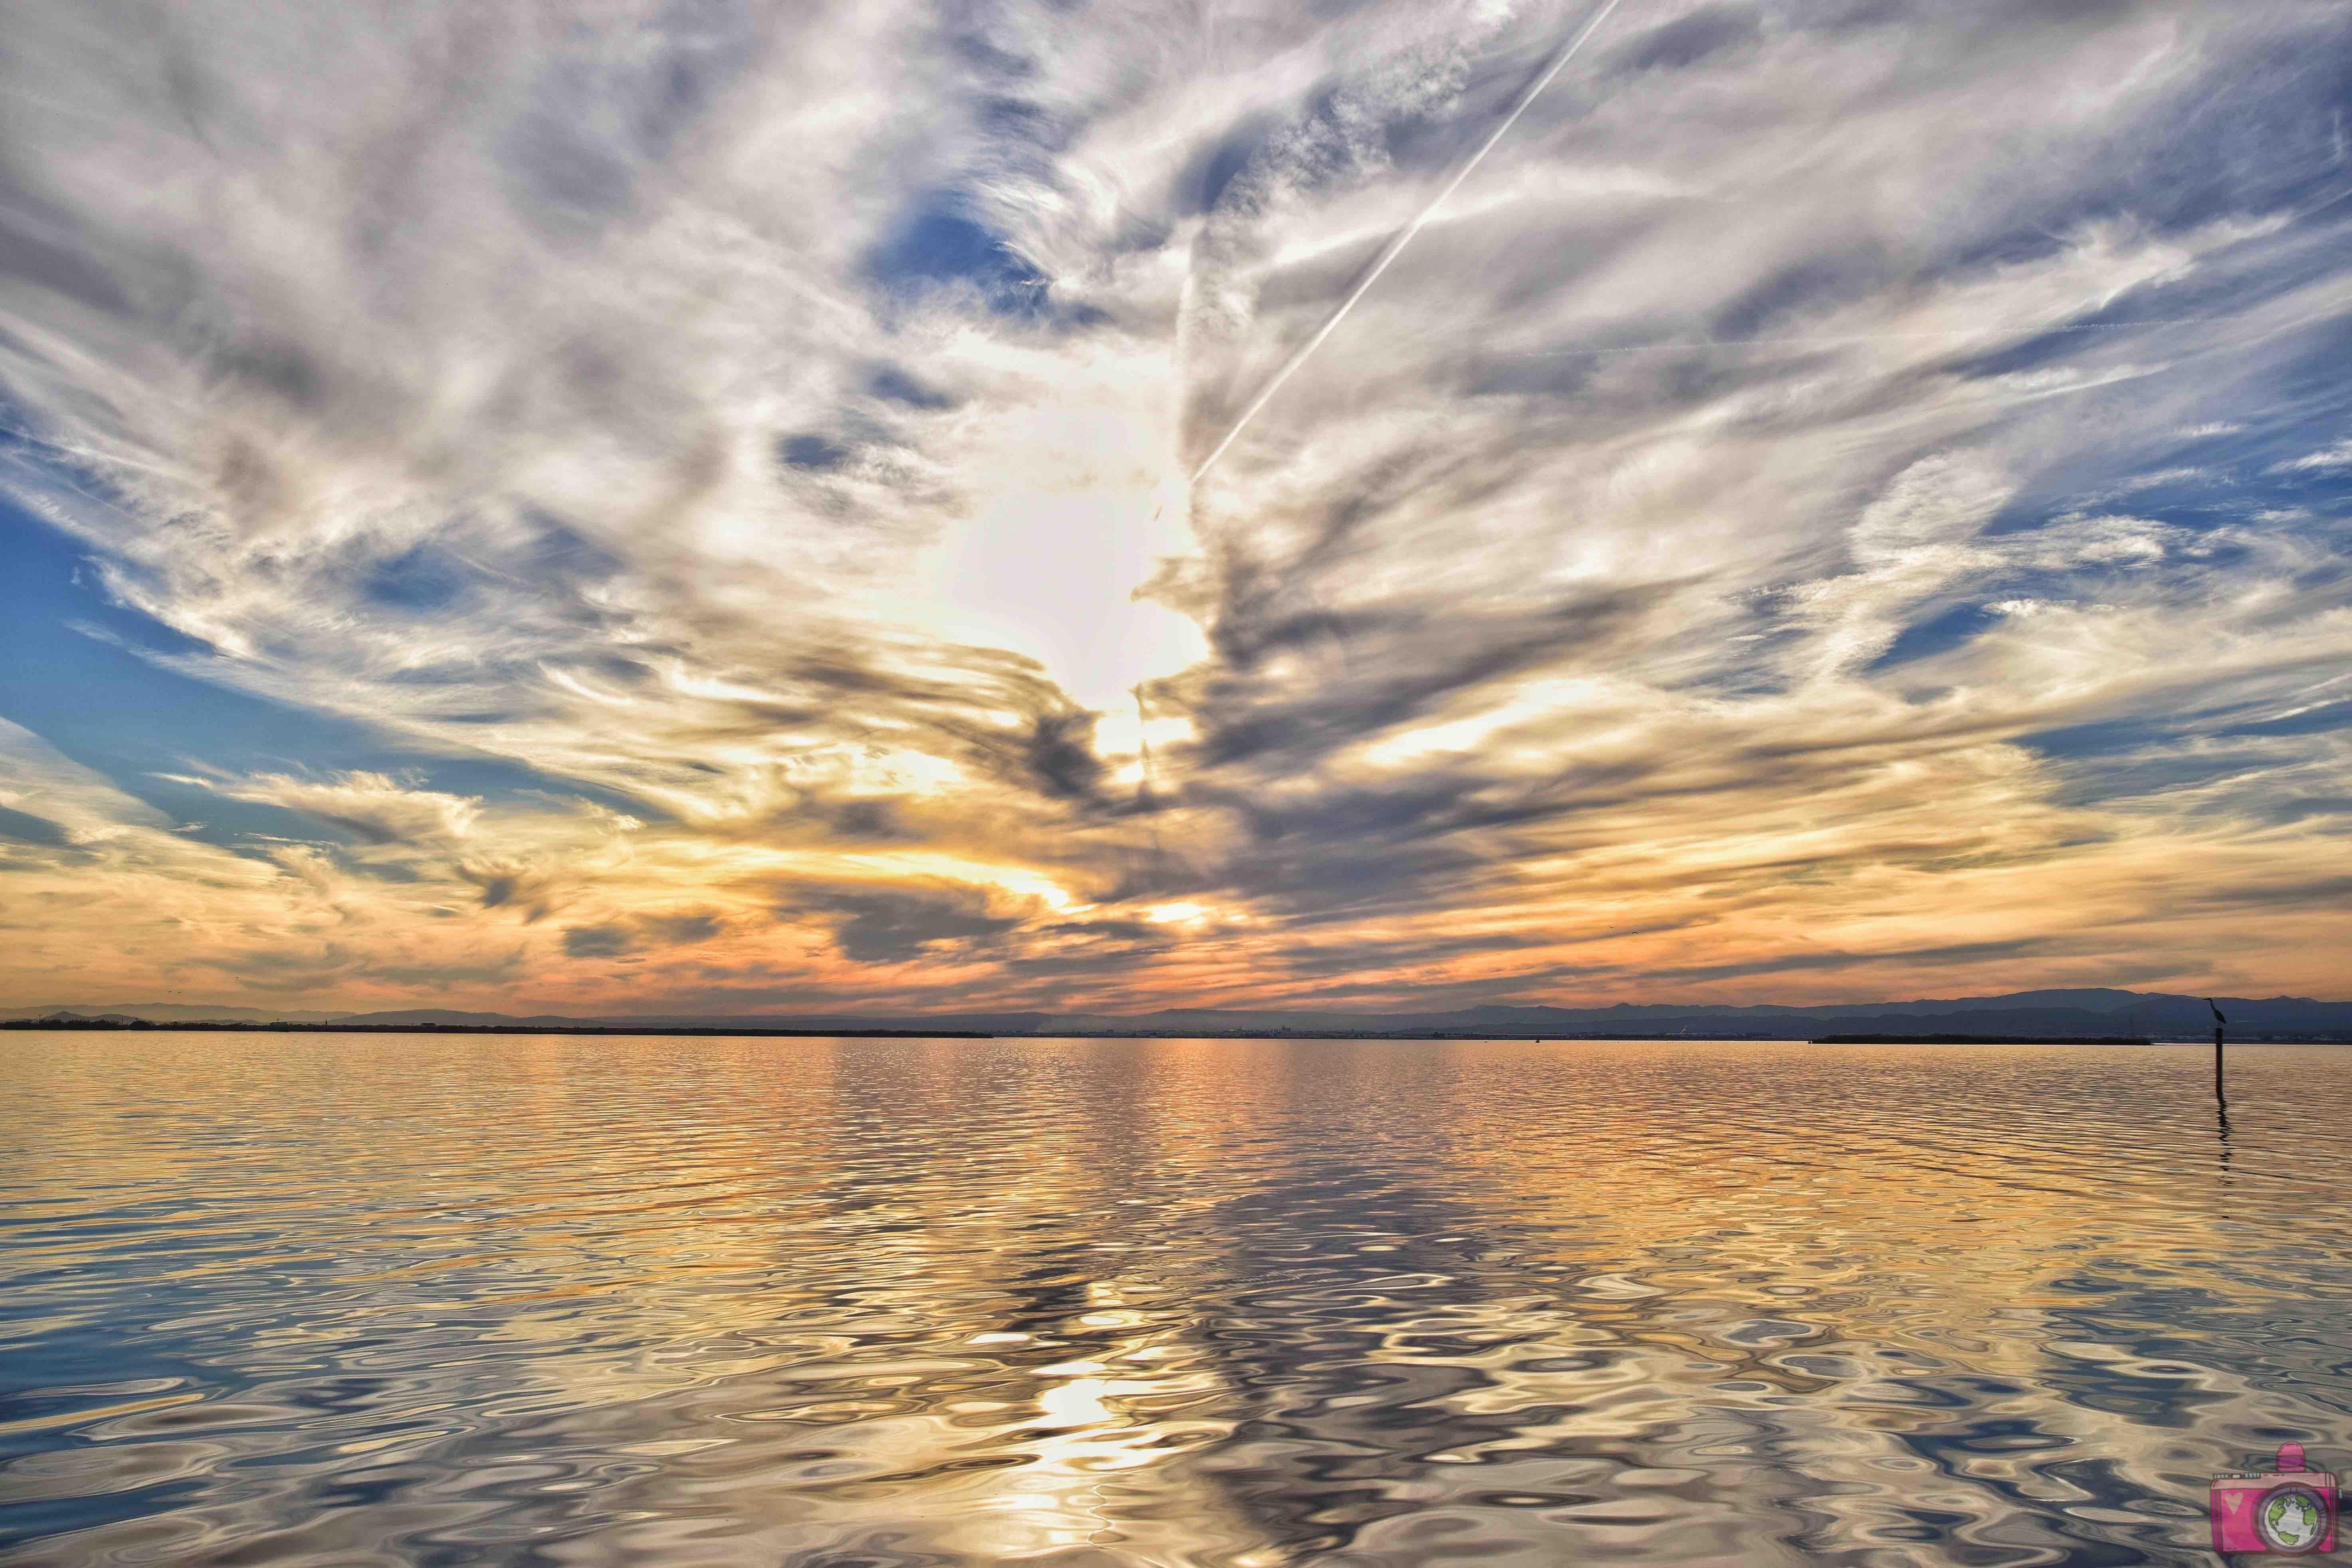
{"x":372,"y":806}
{"x":2336,"y":457}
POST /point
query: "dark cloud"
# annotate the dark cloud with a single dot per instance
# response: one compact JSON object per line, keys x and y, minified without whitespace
{"x":682,"y":928}
{"x":364,"y":829}
{"x":1115,"y":950}
{"x":2298,"y":808}
{"x":1131,"y":933}
{"x":26,"y":829}
{"x":598,"y":942}
{"x":529,"y":889}
{"x":893,"y":925}
{"x":1060,"y":754}
{"x":1689,"y":39}
{"x":2302,"y":892}
{"x":869,"y":817}
{"x":1389,"y":667}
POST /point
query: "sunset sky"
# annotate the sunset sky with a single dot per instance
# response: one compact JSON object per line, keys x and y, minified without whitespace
{"x":609,"y":506}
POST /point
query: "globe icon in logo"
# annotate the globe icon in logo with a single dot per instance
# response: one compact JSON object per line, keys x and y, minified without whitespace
{"x":2291,"y":1519}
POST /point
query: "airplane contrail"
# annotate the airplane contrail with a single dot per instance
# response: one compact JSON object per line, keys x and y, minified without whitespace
{"x":1403,"y":238}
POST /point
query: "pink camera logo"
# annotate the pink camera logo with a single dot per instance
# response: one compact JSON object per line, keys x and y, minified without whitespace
{"x":2291,"y":1510}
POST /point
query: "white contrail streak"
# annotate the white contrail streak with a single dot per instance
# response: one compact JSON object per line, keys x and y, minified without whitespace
{"x":1404,"y":237}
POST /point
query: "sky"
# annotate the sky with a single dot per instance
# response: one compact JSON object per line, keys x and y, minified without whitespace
{"x":706,"y":506}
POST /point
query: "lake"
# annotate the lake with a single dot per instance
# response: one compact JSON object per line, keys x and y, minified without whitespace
{"x":360,"y":1299}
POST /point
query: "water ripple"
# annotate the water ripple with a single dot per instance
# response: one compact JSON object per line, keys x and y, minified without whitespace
{"x":298,"y":1298}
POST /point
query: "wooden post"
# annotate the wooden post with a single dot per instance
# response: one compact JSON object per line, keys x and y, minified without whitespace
{"x":2219,"y":1024}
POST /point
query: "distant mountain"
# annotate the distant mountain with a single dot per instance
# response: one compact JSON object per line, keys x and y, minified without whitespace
{"x":2049,"y":1014}
{"x":2055,"y":1014}
{"x":171,"y":1013}
{"x":2059,"y":1014}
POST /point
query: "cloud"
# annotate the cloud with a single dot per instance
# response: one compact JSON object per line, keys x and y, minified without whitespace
{"x":370,"y":807}
{"x":1703,"y":550}
{"x":2336,"y":457}
{"x":682,"y":928}
{"x":597,"y":942}
{"x":671,"y":929}
{"x":893,"y":925}
{"x":26,"y":828}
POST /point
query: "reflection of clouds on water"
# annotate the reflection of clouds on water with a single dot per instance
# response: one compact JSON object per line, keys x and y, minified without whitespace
{"x":1166,"y":1304}
{"x":1861,"y":1373}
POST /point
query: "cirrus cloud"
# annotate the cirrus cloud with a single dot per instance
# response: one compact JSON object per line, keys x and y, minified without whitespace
{"x":1840,"y":499}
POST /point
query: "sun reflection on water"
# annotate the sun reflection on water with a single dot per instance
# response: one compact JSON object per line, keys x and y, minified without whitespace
{"x":1153,"y":1302}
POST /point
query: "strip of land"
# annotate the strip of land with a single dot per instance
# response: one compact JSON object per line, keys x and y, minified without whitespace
{"x":657,"y":1030}
{"x":1982,"y":1040}
{"x":2080,"y":1014}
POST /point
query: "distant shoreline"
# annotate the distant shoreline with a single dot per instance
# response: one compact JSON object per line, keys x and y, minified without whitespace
{"x":234,"y":1027}
{"x":1979,"y":1040}
{"x":143,"y":1026}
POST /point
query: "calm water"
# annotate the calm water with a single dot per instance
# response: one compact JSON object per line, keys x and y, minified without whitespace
{"x":350,"y":1300}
